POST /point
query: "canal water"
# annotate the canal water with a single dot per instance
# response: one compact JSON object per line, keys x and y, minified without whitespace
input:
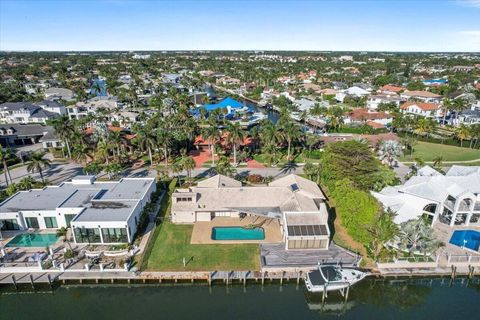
{"x":370,"y":299}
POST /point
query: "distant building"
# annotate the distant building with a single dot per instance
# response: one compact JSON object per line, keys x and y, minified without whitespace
{"x":12,"y":135}
{"x":424,"y":96}
{"x":59,"y":94}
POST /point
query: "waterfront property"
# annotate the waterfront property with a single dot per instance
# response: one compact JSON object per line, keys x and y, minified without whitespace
{"x":452,"y":199}
{"x":106,"y":212}
{"x":292,"y":203}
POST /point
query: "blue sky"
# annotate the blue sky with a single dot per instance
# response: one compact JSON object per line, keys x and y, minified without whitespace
{"x":388,"y":25}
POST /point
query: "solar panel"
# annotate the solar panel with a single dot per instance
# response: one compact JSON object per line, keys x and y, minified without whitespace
{"x":307,"y":230}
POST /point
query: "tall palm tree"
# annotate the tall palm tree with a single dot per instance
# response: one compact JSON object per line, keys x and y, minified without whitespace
{"x":64,"y":127}
{"x":38,"y":164}
{"x":291,"y":132}
{"x":188,"y":164}
{"x":164,"y":140}
{"x":5,"y":154}
{"x":146,"y":138}
{"x":235,"y":136}
{"x":213,"y":135}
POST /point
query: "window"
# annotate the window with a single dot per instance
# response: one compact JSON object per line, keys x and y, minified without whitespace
{"x":68,"y":219}
{"x":184,"y":199}
{"x":87,"y":235}
{"x":114,"y":235}
{"x":50,"y":222}
{"x":9,"y":224}
{"x":32,"y":222}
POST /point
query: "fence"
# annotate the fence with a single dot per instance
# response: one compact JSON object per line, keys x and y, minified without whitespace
{"x":409,"y":262}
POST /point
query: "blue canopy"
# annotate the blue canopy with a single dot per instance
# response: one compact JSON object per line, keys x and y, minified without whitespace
{"x":234,"y":104}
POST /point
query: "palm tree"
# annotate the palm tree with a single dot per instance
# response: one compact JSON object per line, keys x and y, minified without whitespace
{"x":417,"y":236}
{"x":26,"y":183}
{"x":462,"y":133}
{"x":5,"y":154}
{"x":177,"y":168}
{"x":62,"y":232}
{"x":383,"y":231}
{"x":212,"y":134}
{"x":188,"y":164}
{"x":235,"y":135}
{"x":147,"y":140}
{"x":459,"y":105}
{"x":437,"y":161}
{"x":38,"y":164}
{"x":64,"y":127}
{"x":113,"y":169}
{"x":290,"y":131}
{"x":313,"y":171}
{"x":164,"y":139}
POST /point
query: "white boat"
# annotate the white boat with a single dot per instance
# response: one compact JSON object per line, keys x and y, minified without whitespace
{"x":332,"y":278}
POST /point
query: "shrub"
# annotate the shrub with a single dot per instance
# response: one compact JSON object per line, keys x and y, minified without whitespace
{"x":255,"y":178}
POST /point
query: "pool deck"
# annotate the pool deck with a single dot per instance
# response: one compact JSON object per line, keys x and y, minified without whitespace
{"x":444,"y":233}
{"x":202,"y":231}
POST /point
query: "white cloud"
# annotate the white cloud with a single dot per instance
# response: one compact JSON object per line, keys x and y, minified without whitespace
{"x":470,"y":3}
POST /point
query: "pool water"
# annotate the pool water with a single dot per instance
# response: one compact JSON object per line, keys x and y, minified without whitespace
{"x":237,"y":233}
{"x":33,"y":240}
{"x":466,"y":238}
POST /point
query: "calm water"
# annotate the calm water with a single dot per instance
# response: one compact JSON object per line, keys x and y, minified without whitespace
{"x":368,"y":300}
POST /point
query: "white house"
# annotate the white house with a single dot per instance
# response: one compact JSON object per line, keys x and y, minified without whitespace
{"x":424,"y":109}
{"x":97,"y":212}
{"x":452,"y":199}
{"x":27,"y":112}
{"x":375,"y":100}
{"x":352,"y":91}
{"x":424,"y":96}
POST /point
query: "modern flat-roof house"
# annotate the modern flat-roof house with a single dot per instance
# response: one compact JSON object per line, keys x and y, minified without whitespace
{"x":295,"y":202}
{"x":98,"y":211}
{"x":452,"y":199}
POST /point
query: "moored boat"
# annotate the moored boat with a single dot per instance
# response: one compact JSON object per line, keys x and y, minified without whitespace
{"x":332,"y":278}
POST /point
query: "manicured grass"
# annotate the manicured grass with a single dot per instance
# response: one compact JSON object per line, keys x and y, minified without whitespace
{"x":172,"y":244}
{"x":428,"y":151}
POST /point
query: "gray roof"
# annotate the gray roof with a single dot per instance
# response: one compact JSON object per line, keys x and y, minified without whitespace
{"x":27,"y":129}
{"x":104,"y":201}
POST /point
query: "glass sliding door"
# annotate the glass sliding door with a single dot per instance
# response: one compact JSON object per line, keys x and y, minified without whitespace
{"x":68,"y":219}
{"x":114,"y":235}
{"x":32,"y":222}
{"x":87,"y":235}
{"x":10,"y":224}
{"x":51,"y":222}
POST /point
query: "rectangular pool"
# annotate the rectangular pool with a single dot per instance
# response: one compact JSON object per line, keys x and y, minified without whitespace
{"x":33,"y":240}
{"x":237,"y":233}
{"x":466,"y":238}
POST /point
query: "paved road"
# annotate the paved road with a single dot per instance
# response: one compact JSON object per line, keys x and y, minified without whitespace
{"x":60,"y":171}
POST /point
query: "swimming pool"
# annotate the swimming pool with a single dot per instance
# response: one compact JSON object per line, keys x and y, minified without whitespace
{"x":33,"y":240}
{"x":466,"y":238}
{"x":237,"y":233}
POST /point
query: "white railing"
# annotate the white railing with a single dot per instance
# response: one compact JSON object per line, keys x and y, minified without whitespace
{"x":409,"y":262}
{"x":463,"y":259}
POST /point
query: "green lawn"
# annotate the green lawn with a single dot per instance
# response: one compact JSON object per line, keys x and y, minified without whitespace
{"x":428,"y":151}
{"x":172,"y":244}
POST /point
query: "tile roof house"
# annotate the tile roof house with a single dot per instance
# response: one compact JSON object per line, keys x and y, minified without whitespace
{"x":362,"y":115}
{"x":390,"y":89}
{"x":424,"y":96}
{"x":424,"y":109}
{"x":452,"y":199}
{"x":289,"y":200}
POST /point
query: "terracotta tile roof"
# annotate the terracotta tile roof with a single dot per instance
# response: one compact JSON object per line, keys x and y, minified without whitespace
{"x":375,"y":125}
{"x":423,"y":94}
{"x":200,"y":141}
{"x":422,"y":105}
{"x":364,"y":114}
{"x":391,"y":88}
